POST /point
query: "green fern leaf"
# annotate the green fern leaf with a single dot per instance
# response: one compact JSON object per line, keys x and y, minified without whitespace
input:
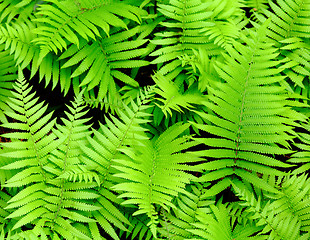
{"x":8,"y":73}
{"x":184,"y":22}
{"x":35,"y":130}
{"x":293,"y":200}
{"x":103,"y":152}
{"x":236,"y":123}
{"x":155,"y":183}
{"x":288,"y":24}
{"x":217,"y":225}
{"x":189,"y":206}
{"x":101,"y":60}
{"x":65,"y":21}
{"x":271,"y":214}
{"x":15,"y":9}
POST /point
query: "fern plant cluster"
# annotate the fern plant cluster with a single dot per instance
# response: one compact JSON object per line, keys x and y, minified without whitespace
{"x":216,"y":146}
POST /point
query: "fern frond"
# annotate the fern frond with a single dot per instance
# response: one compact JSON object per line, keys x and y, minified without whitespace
{"x":184,"y":22}
{"x":293,"y":199}
{"x":275,"y":224}
{"x":106,"y":147}
{"x":16,"y":9}
{"x":33,"y":129}
{"x":176,"y":224}
{"x":226,"y":22}
{"x":8,"y":73}
{"x":98,"y":63}
{"x":65,"y":22}
{"x":31,"y":143}
{"x":156,"y":173}
{"x":217,"y":224}
{"x":289,"y":23}
{"x":290,"y":19}
{"x":249,"y":123}
{"x":18,"y":36}
{"x":44,"y":197}
{"x":69,"y":205}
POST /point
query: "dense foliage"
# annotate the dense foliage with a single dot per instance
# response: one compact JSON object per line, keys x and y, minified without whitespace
{"x":203,"y":131}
